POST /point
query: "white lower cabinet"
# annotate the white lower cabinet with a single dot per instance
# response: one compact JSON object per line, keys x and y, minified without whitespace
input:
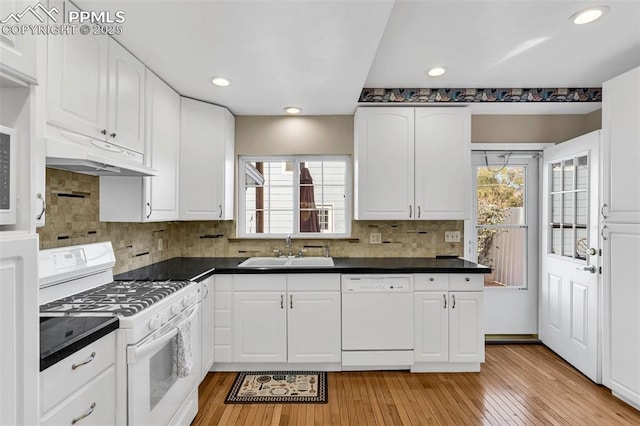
{"x":449,"y":324}
{"x":207,"y":327}
{"x":259,"y":326}
{"x":291,"y":318}
{"x":81,"y":387}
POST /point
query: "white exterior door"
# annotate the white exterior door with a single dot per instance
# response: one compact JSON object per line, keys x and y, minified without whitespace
{"x":431,"y":341}
{"x":314,"y":326}
{"x":504,"y":236}
{"x":570,"y":294}
{"x":384,"y":163}
{"x":259,"y":327}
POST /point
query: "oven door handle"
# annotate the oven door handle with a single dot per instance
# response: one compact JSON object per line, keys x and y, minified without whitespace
{"x":134,"y":353}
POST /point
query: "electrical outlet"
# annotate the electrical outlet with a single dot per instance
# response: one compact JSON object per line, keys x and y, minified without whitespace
{"x":159,"y":244}
{"x":375,"y":238}
{"x":452,"y":236}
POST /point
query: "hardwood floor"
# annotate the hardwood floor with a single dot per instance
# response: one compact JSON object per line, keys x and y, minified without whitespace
{"x":519,"y":384}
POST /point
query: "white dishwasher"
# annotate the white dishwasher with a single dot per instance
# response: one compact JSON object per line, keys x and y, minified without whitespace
{"x":377,"y":321}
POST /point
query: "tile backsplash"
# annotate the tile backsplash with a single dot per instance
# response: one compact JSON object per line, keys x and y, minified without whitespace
{"x":73,"y":218}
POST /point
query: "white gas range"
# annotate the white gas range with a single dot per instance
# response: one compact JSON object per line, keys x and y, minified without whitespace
{"x":158,"y":343}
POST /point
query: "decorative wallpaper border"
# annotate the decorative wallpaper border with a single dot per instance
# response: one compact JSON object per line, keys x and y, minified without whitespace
{"x":454,"y":95}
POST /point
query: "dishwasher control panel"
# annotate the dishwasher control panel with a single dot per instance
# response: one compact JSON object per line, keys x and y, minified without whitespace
{"x":377,"y":283}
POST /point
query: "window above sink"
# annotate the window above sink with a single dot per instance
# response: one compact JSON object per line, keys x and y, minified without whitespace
{"x":303,"y":196}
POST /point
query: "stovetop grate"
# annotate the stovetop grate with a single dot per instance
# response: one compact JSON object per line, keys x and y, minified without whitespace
{"x":123,"y":298}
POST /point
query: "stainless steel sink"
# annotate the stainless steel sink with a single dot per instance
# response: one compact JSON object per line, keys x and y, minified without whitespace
{"x":287,"y":262}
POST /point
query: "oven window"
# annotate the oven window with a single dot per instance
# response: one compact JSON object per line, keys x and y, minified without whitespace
{"x":163,"y":373}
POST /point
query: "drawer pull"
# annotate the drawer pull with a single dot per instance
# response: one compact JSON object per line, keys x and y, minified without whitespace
{"x":453,"y":306}
{"x":87,"y":414}
{"x":91,"y":357}
{"x":432,"y":279}
{"x":444,"y":297}
{"x":467,"y":279}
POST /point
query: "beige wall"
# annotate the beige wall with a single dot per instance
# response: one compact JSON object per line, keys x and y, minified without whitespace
{"x":278,"y":135}
{"x":532,"y":128}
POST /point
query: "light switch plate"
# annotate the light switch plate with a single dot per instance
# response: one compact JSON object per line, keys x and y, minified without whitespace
{"x":452,"y":236}
{"x":375,"y":238}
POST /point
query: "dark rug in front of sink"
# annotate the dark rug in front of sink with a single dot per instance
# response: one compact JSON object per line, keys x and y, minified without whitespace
{"x":279,"y":387}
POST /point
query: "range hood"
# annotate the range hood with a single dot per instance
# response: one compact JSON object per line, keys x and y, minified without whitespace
{"x":75,"y":153}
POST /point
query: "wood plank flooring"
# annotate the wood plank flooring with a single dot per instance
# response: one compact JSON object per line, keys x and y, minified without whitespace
{"x":518,"y":384}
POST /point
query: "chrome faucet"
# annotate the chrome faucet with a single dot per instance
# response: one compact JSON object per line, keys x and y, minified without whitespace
{"x":287,"y":245}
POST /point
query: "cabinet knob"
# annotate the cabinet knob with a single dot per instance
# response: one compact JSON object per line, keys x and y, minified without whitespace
{"x":103,"y":131}
{"x":431,"y":279}
{"x":113,"y":135}
{"x":467,"y":279}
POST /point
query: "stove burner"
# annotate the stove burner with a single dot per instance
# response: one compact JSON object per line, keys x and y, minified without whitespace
{"x":123,"y":298}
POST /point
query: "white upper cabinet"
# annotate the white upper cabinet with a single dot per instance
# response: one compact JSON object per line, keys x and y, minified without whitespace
{"x":77,"y":82}
{"x":621,"y":147}
{"x":149,"y":199}
{"x":162,"y":148}
{"x":206,"y":161}
{"x":126,"y":98}
{"x":96,"y":88}
{"x":18,"y":58}
{"x":384,"y":163}
{"x":442,"y":163}
{"x":412,"y":163}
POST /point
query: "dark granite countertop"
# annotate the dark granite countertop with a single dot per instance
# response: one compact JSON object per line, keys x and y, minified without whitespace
{"x":63,"y":336}
{"x":199,"y":268}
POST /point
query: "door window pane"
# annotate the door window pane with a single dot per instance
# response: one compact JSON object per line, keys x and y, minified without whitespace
{"x":569,"y":207}
{"x":502,"y":224}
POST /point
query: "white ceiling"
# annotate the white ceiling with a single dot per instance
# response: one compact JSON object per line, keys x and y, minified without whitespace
{"x":319,"y":54}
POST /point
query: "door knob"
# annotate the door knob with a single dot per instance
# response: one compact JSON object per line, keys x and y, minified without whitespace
{"x":592,"y":252}
{"x":591,"y":269}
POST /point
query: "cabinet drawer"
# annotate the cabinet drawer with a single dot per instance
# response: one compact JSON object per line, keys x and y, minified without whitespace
{"x":466,"y":282}
{"x":61,"y":380}
{"x":431,"y":282}
{"x":313,"y":282}
{"x":259,"y":282}
{"x":95,"y":401}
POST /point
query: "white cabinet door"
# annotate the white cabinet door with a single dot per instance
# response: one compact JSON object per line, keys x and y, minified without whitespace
{"x":149,"y":199}
{"x":466,"y":330}
{"x":621,"y":148}
{"x":125,"y":105}
{"x":19,"y":330}
{"x":314,"y":326}
{"x":18,"y":56}
{"x":442,"y":163}
{"x":621,"y":365}
{"x":431,"y":338}
{"x":206,"y":161}
{"x":259,"y":327}
{"x":384,"y":163}
{"x":77,"y":81}
{"x":162,"y":147}
{"x":207,"y":313}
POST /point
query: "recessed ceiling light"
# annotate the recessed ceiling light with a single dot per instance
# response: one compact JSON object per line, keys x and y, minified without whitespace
{"x":220,"y":81}
{"x":436,"y":71}
{"x":589,"y":15}
{"x":293,"y":110}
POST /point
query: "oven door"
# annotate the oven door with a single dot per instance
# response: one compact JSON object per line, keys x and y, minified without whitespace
{"x":155,"y":392}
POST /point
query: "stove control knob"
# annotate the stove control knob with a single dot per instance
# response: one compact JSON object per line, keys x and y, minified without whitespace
{"x":186,"y":301}
{"x":164,"y":317}
{"x":155,"y":323}
{"x":175,"y":309}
